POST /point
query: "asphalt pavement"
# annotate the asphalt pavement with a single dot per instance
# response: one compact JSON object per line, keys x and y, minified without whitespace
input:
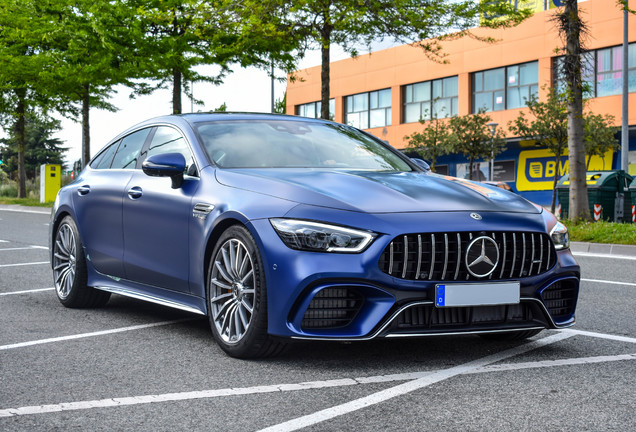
{"x":137,"y":366}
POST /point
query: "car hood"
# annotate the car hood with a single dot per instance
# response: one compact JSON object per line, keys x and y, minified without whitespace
{"x":375,"y":192}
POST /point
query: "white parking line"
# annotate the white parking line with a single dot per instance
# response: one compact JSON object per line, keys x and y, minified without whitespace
{"x":24,"y":248}
{"x":599,"y":255}
{"x":408,"y":387}
{"x":469,"y":368}
{"x":92,"y":334}
{"x":19,"y":210}
{"x":26,"y":291}
{"x":609,"y":282}
{"x":600,"y":335}
{"x":24,"y":264}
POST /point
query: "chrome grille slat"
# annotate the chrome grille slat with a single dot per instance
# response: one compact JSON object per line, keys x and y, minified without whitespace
{"x":430,"y":273}
{"x":521,"y":255}
{"x":445,"y":256}
{"x":406,"y":257}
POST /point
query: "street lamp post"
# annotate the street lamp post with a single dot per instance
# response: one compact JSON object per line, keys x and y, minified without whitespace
{"x":491,"y":165}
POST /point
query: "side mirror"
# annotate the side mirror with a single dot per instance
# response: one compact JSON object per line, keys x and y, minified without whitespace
{"x":166,"y":165}
{"x":422,"y":164}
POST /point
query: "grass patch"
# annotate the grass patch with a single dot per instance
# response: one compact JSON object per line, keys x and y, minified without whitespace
{"x":602,"y":232}
{"x":32,"y":202}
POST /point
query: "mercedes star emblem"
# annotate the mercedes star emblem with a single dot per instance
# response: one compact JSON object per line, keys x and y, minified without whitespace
{"x":475,"y":216}
{"x":482,"y":256}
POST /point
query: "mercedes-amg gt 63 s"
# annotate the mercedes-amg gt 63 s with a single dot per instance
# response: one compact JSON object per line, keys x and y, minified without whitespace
{"x":280,"y":227}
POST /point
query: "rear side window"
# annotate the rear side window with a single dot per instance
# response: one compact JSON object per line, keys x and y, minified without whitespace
{"x":104,"y":159}
{"x":129,"y":149}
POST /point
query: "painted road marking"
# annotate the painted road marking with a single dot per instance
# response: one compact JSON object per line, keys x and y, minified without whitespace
{"x":24,"y":264}
{"x":241,"y":391}
{"x":24,"y":248}
{"x":609,"y":282}
{"x":600,"y":335}
{"x":26,"y":291}
{"x":18,"y":210}
{"x":410,"y":386}
{"x":598,"y":255}
{"x":92,"y":334}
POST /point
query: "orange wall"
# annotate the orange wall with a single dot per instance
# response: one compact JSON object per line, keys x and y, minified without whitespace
{"x":535,"y":39}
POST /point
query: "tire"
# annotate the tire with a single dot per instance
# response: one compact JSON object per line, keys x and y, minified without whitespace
{"x":511,"y":336}
{"x":237,"y":297}
{"x":69,"y":269}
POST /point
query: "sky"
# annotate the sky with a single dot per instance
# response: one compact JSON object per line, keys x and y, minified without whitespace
{"x":246,"y":89}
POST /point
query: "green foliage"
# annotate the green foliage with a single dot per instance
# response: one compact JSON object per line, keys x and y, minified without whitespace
{"x":39,"y":147}
{"x":600,"y":136}
{"x":280,"y":105}
{"x":602,"y":232}
{"x":222,"y":108}
{"x":434,"y":141}
{"x":472,"y":136}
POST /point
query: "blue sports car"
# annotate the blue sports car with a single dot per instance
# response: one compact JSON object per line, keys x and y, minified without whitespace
{"x":280,"y":227}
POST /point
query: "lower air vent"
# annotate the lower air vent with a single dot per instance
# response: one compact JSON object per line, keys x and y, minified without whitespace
{"x":560,"y":299}
{"x":332,"y":308}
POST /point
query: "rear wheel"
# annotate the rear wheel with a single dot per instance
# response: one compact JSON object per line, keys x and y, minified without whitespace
{"x":511,"y":336}
{"x":237,"y":297}
{"x":69,"y":269}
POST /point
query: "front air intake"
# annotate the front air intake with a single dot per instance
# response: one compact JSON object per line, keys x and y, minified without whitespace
{"x":332,"y":308}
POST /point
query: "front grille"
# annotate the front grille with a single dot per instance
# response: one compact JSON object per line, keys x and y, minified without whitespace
{"x":441,"y":256}
{"x":560,"y":299}
{"x":428,"y":317}
{"x":332,"y":308}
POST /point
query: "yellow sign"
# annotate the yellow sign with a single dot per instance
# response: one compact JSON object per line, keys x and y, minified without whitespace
{"x":537,"y":168}
{"x":50,"y":182}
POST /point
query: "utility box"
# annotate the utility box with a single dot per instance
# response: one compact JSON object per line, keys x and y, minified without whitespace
{"x":609,"y":189}
{"x":50,"y":182}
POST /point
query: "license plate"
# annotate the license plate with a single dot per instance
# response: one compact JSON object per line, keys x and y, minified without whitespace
{"x":477,"y":294}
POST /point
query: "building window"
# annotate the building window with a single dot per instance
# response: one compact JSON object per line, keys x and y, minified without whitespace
{"x":312,"y":109}
{"x":602,"y":71}
{"x":437,"y":98}
{"x":368,"y":110}
{"x":505,"y":88}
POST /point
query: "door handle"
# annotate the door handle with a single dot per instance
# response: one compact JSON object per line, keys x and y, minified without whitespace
{"x":135,"y":192}
{"x":83,"y":190}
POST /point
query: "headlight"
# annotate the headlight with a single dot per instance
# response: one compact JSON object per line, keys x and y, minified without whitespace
{"x":319,"y":237}
{"x":560,"y":236}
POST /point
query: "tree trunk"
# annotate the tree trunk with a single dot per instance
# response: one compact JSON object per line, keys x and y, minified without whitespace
{"x":86,"y":133}
{"x":579,"y":205}
{"x":554,"y":184}
{"x":176,"y":91}
{"x":324,"y":73}
{"x":470,"y":168}
{"x":20,"y":135}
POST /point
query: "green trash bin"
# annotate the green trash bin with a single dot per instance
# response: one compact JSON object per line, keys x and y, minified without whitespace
{"x":632,"y":211}
{"x":607,"y":189}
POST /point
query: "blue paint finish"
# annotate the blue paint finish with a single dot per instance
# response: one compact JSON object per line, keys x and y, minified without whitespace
{"x":440,"y":296}
{"x":152,"y":242}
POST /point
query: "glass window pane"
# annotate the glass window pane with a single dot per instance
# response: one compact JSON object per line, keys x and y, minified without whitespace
{"x":364,"y":120}
{"x":388,"y":117}
{"x":373,"y":99}
{"x":513,"y":76}
{"x":478,"y":82}
{"x":450,"y":87}
{"x":361,"y":102}
{"x":631,"y":55}
{"x":128,"y":152}
{"x":604,"y":60}
{"x":442,"y":108}
{"x":422,"y":91}
{"x":494,"y":79}
{"x":454,"y":106}
{"x":384,"y":98}
{"x":412,"y":113}
{"x":529,"y":73}
{"x":437,"y":89}
{"x":310,"y":110}
{"x":609,"y":84}
{"x":332,"y":109}
{"x":499,"y":100}
{"x":483,"y":100}
{"x":617,"y":58}
{"x":353,"y":120}
{"x":348,"y":104}
{"x":378,"y":118}
{"x":104,"y":160}
{"x":515,"y":97}
{"x":408,"y":94}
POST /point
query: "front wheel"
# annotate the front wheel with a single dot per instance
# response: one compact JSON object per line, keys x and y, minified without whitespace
{"x":69,"y":269}
{"x":237,"y":297}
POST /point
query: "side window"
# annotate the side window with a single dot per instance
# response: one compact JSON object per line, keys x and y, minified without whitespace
{"x":104,"y":159}
{"x":128,"y":152}
{"x":169,"y":140}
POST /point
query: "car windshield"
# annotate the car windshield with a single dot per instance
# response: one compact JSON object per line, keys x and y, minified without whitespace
{"x":295,"y":144}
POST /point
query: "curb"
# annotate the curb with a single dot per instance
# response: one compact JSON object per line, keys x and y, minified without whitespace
{"x":603,"y":248}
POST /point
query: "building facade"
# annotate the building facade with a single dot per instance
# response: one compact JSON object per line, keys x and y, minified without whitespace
{"x":387,"y":92}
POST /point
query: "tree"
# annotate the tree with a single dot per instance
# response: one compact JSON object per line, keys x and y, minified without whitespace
{"x":549,"y":128}
{"x":600,"y":136}
{"x":180,"y":36}
{"x":425,"y":24}
{"x":40,"y":146}
{"x":24,"y":76}
{"x":434,"y":141}
{"x":472,"y":136}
